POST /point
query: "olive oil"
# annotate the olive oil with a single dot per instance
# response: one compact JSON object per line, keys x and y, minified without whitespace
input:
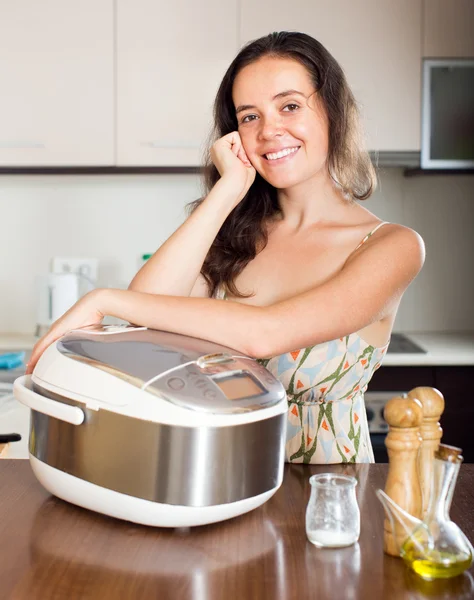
{"x":434,"y":548}
{"x":435,"y":564}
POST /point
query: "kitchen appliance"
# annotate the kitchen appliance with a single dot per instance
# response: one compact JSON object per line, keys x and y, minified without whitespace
{"x":401,"y":344}
{"x":56,"y":293}
{"x":378,"y":428}
{"x":154,"y":427}
{"x":447,"y":136}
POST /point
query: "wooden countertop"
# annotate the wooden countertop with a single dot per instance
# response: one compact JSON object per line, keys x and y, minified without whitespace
{"x":51,"y":549}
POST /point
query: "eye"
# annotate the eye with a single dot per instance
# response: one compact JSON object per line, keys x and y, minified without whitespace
{"x":248,"y":118}
{"x":292,"y":107}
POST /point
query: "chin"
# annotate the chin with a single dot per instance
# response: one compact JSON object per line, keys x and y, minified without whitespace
{"x":284,"y":181}
{"x":292,"y":178}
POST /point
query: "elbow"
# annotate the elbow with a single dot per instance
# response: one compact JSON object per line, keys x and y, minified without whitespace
{"x":134,"y":286}
{"x":255,"y":349}
{"x":262,"y":339}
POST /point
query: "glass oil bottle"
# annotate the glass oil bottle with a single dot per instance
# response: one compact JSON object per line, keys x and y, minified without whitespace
{"x":437,"y":548}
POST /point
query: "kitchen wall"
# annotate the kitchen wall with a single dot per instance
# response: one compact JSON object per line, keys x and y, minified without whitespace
{"x":118,"y":218}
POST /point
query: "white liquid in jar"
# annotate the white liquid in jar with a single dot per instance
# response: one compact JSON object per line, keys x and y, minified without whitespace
{"x":331,"y":539}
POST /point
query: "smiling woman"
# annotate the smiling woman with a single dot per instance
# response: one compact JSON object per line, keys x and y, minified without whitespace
{"x":284,"y":93}
{"x":312,"y":279}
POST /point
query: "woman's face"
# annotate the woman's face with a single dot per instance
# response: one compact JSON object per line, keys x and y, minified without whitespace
{"x":282,"y":124}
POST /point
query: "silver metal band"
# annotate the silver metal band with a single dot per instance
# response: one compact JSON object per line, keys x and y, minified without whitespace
{"x":187,"y":466}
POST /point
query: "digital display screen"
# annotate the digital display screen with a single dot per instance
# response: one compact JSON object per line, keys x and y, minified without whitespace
{"x":239,"y":386}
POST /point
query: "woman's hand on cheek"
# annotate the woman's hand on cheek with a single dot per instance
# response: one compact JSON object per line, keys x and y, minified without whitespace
{"x":230,"y":159}
{"x":87,"y":311}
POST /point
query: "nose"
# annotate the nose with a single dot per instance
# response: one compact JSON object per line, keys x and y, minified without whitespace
{"x":270,"y":127}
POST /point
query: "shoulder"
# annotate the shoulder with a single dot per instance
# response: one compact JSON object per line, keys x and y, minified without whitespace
{"x":402,"y":242}
{"x":396,"y":242}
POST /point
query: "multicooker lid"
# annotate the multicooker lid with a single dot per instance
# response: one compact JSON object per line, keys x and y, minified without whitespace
{"x":192,"y":373}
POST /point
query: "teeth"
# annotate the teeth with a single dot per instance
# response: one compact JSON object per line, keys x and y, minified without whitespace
{"x":281,"y":154}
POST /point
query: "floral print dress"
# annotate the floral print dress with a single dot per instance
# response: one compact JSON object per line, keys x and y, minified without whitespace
{"x":325,"y":385}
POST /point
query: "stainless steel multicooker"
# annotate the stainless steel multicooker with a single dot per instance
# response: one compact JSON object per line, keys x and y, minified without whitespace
{"x":154,"y":427}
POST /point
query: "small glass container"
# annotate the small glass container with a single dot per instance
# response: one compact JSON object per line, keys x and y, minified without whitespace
{"x":332,"y":514}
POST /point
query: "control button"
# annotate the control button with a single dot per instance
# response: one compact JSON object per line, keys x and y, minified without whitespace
{"x":210,"y":394}
{"x":370,"y":414}
{"x":175,"y":383}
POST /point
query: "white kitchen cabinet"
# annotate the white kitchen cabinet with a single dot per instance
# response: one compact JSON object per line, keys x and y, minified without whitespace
{"x":378,"y":44}
{"x":171,"y":58}
{"x":56,"y":74}
{"x":448,"y":28}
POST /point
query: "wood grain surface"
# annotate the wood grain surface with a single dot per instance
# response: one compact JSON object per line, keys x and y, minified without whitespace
{"x":53,"y":550}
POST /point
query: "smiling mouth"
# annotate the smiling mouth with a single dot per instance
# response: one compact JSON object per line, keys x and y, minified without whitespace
{"x":278,"y":156}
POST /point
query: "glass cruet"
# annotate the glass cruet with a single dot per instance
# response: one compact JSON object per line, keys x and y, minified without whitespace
{"x":436,"y":547}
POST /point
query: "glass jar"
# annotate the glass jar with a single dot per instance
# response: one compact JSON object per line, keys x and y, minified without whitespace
{"x":332,"y":514}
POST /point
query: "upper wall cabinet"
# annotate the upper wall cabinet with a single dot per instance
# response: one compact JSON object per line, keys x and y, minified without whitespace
{"x":171,"y":58}
{"x":448,"y":28}
{"x":56,"y":74}
{"x":378,"y":44}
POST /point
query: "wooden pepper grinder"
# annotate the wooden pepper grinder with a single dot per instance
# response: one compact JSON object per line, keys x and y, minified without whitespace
{"x":404,"y":416}
{"x":432,"y":402}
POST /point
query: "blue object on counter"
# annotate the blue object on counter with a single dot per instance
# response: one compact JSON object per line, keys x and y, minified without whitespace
{"x":11,"y":360}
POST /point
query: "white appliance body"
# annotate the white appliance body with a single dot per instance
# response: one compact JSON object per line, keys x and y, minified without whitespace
{"x":154,"y":428}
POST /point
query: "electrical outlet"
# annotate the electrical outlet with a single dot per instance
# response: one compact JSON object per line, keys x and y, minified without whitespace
{"x":87,"y":267}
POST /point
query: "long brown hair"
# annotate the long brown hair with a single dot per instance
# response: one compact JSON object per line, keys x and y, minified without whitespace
{"x":243,"y":234}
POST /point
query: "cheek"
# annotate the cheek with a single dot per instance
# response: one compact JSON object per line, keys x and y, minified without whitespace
{"x":249,"y":143}
{"x":248,"y":140}
{"x":313,"y":134}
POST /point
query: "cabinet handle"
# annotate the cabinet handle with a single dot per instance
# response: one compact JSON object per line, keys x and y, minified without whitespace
{"x":64,"y":412}
{"x":13,"y":144}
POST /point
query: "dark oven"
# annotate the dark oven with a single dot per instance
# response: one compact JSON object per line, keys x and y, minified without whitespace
{"x":375,"y":403}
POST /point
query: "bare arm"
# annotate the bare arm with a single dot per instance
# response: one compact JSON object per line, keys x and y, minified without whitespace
{"x":362,"y":293}
{"x":175,"y":266}
{"x":174,"y":269}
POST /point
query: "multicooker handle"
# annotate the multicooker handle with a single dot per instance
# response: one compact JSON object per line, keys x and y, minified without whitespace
{"x":64,"y":412}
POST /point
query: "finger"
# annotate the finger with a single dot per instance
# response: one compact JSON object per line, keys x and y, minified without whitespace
{"x":243,"y":157}
{"x":237,"y":140}
{"x":31,"y":365}
{"x":233,"y":139}
{"x":33,"y":360}
{"x":236,"y":144}
{"x":37,"y":351}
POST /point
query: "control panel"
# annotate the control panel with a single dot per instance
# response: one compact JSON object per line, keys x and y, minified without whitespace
{"x":236,"y":384}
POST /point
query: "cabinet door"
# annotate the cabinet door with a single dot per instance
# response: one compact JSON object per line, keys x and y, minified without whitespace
{"x":378,"y":44}
{"x":448,"y":28}
{"x":170,"y":61}
{"x":457,"y":386}
{"x":56,"y":73}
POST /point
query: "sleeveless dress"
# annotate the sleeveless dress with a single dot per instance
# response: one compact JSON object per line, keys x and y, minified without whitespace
{"x":325,"y":385}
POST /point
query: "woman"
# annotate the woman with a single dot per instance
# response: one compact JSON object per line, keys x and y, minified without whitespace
{"x":312,"y":279}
